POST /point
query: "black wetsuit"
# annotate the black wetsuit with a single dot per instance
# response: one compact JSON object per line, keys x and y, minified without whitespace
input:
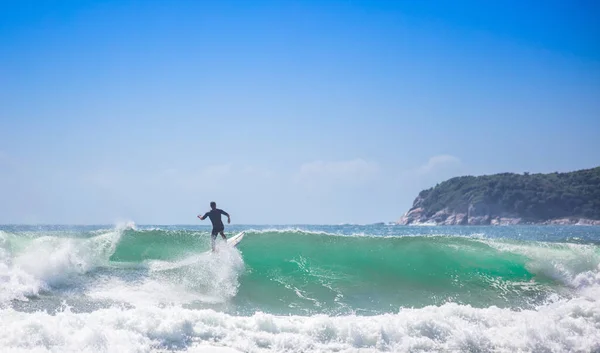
{"x":215,"y":218}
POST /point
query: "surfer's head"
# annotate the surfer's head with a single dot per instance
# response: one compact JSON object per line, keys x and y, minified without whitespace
{"x":213,"y":205}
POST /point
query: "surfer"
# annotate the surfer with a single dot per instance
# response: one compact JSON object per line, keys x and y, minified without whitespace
{"x":215,"y":217}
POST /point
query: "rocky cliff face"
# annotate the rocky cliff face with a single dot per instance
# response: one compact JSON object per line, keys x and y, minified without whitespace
{"x":417,"y":216}
{"x":480,"y":214}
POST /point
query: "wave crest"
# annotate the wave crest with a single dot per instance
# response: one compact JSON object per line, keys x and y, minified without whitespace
{"x":47,"y":261}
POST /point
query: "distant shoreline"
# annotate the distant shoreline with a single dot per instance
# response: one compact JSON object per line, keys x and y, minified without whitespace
{"x":594,"y":223}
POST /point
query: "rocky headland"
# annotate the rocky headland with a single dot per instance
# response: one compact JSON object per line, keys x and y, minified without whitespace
{"x":508,"y":199}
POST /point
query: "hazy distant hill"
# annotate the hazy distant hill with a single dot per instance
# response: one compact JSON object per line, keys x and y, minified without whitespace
{"x":509,"y":198}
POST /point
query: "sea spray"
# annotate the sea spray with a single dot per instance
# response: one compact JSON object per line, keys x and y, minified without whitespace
{"x":49,"y":261}
{"x":204,"y":278}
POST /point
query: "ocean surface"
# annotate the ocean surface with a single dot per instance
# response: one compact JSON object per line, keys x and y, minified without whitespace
{"x":346,"y":288}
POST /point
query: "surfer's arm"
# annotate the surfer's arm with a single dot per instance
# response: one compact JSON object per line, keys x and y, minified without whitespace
{"x":226,"y":214}
{"x":203,"y":217}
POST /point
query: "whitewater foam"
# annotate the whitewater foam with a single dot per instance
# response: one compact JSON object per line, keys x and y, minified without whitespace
{"x":47,"y":262}
{"x":563,"y":262}
{"x":566,"y":326}
{"x":206,"y":278}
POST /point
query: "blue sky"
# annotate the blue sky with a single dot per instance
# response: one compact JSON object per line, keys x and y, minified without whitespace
{"x":284,"y":112}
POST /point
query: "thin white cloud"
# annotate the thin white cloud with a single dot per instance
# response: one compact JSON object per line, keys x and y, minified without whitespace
{"x":213,"y":172}
{"x":102,"y":179}
{"x":190,"y":180}
{"x":259,"y":172}
{"x":206,"y":177}
{"x":437,"y":163}
{"x":353,"y":172}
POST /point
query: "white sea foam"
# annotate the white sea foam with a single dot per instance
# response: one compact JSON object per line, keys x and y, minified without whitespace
{"x":564,"y":262}
{"x":46,"y":262}
{"x":206,"y":277}
{"x":564,"y":326}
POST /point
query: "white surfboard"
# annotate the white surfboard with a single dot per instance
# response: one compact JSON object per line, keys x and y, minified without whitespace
{"x":236,"y":239}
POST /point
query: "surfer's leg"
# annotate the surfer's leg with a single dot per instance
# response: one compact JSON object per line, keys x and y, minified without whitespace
{"x":213,"y":237}
{"x":223,"y":235}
